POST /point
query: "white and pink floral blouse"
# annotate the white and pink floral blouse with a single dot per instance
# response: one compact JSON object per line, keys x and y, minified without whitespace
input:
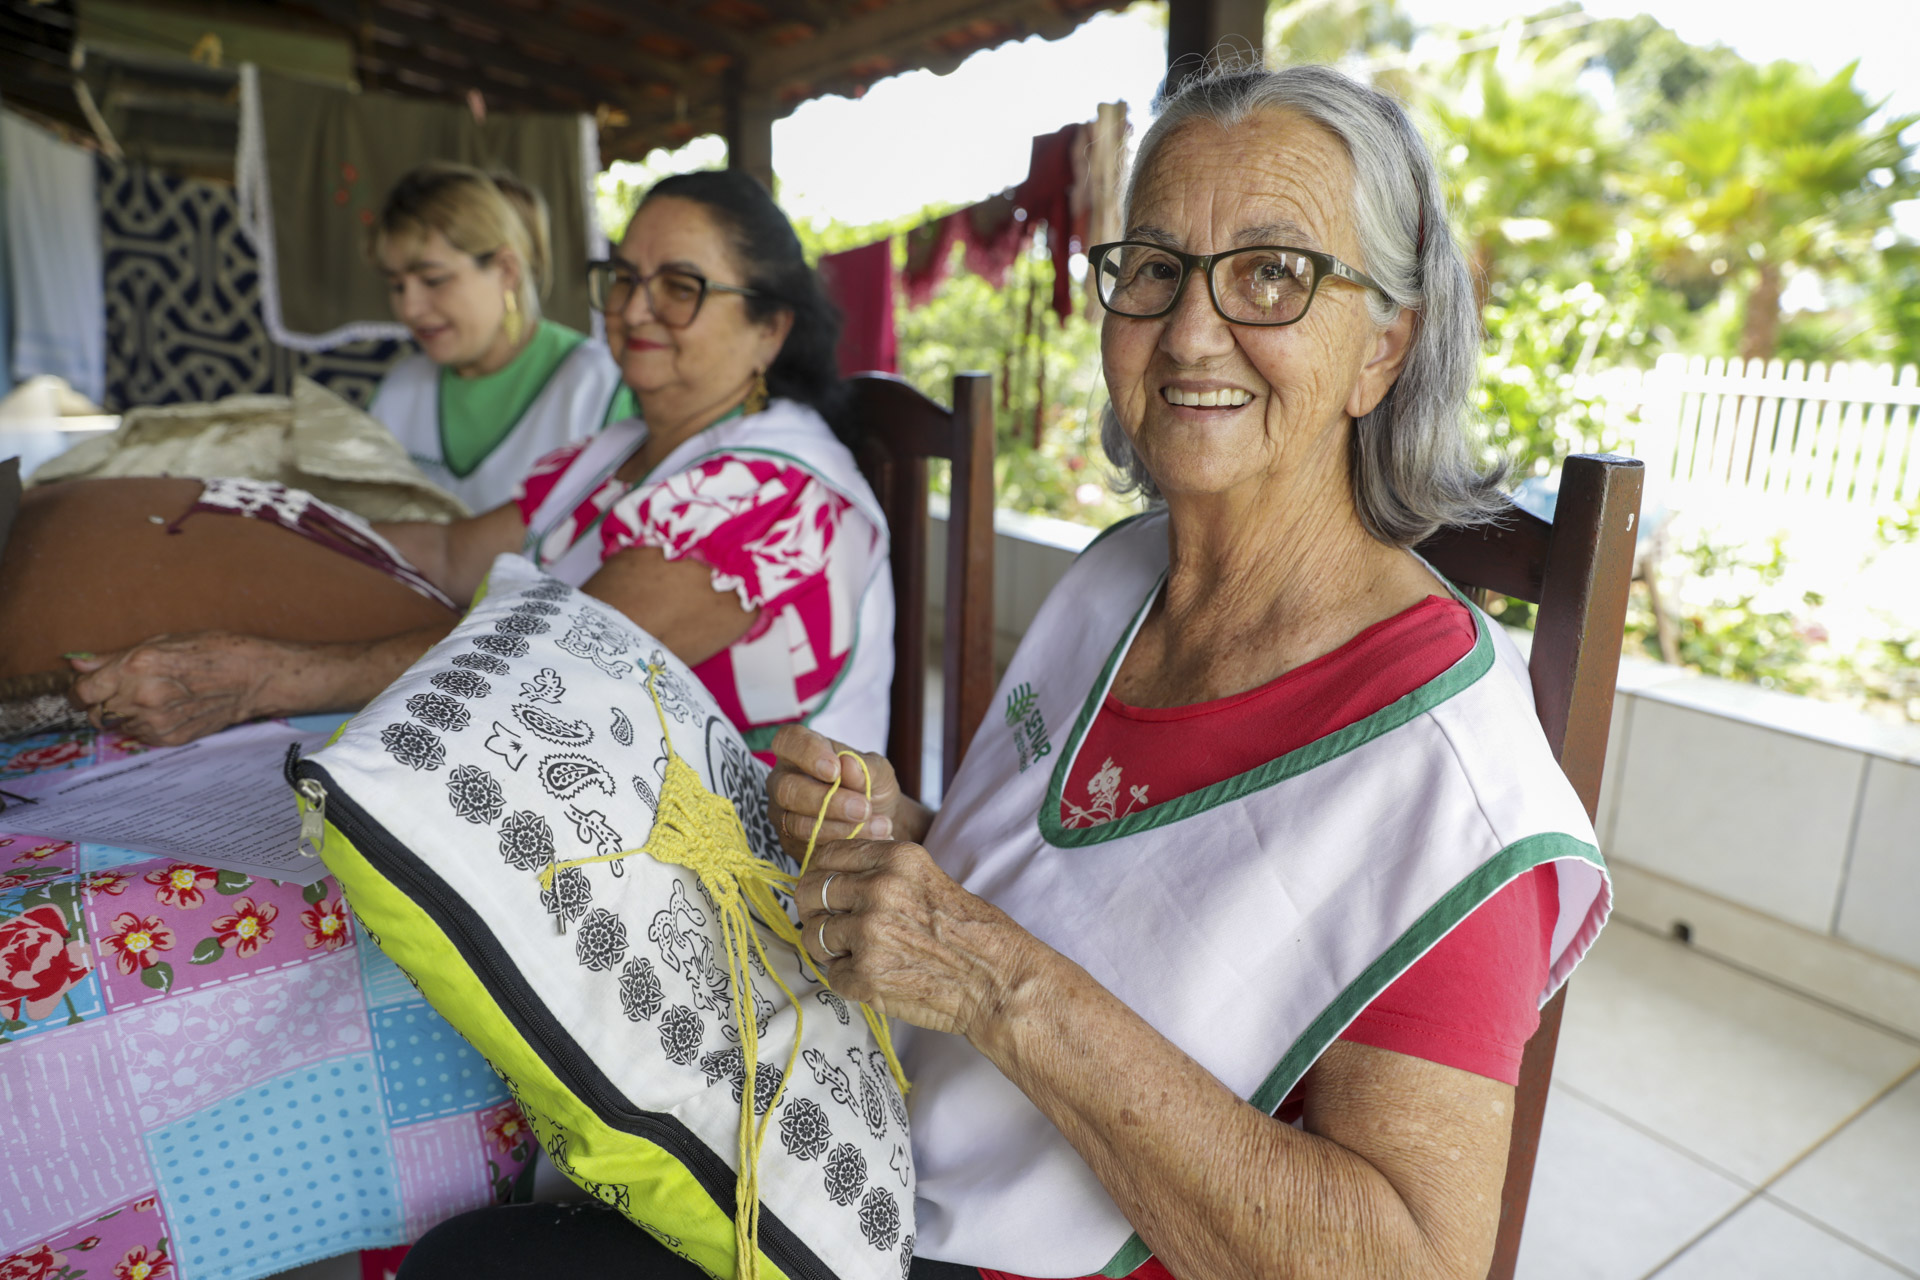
{"x":771,"y":533}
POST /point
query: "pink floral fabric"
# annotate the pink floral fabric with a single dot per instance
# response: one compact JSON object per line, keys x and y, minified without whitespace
{"x":770,"y":532}
{"x":153,"y":1008}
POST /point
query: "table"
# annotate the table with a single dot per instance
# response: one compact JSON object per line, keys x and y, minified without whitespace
{"x":210,"y":1077}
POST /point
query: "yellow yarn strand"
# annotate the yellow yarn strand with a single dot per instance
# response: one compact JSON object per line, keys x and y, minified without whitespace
{"x":701,"y":831}
{"x":875,"y":1023}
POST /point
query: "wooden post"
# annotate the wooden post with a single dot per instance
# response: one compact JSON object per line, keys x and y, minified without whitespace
{"x":749,"y":128}
{"x":1195,"y":28}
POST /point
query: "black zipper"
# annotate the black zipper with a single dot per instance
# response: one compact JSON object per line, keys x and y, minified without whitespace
{"x":574,"y":1067}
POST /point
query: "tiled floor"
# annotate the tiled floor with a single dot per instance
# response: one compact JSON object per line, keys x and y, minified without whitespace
{"x":1706,"y":1124}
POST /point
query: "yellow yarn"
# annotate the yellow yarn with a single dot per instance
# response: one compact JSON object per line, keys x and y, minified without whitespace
{"x":701,"y":831}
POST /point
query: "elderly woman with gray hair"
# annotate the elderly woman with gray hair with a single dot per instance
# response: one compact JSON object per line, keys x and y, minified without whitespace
{"x":1221,"y":953}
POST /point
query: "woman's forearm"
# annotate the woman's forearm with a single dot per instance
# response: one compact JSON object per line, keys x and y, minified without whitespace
{"x":1214,"y":1187}
{"x":343,"y":675}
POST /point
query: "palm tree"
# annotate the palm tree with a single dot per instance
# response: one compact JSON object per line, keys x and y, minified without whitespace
{"x":1763,"y":168}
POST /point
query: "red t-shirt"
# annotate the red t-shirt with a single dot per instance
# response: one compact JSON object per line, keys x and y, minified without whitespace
{"x":1472,"y":1001}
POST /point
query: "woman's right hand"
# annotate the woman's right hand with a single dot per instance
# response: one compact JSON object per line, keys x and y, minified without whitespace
{"x":806,"y":763}
{"x":173,"y":689}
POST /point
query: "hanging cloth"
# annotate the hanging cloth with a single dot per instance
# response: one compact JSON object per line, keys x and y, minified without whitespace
{"x":314,"y":163}
{"x":860,"y":282}
{"x":59,"y":301}
{"x":1047,"y":196}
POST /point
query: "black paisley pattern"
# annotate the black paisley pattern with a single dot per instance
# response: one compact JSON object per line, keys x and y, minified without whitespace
{"x":570,"y":896}
{"x":602,"y":941}
{"x":461,"y":683}
{"x":681,"y":1031}
{"x":639,"y":990}
{"x":766,"y":1087}
{"x":906,"y":1257}
{"x":526,"y":841}
{"x":413,"y":745}
{"x":502,"y":646}
{"x":544,"y":724}
{"x":566,"y":774}
{"x":644,"y":790}
{"x":481,"y":662}
{"x":547,"y":591}
{"x":475,"y":794}
{"x":846,"y":1174}
{"x":438,"y":711}
{"x":622,"y":728}
{"x":804,"y":1129}
{"x":834,"y":1003}
{"x":520,"y":624}
{"x":880,"y":1218}
{"x":536,"y":608}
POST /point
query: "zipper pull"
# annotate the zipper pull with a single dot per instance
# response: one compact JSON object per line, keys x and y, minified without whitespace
{"x":313,"y":816}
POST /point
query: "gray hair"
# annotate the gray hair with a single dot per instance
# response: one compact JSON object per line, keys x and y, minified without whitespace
{"x":1413,"y":468}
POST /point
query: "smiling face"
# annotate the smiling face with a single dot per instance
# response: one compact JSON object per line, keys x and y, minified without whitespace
{"x":453,"y":304}
{"x":682,"y":375}
{"x":1211,"y":406}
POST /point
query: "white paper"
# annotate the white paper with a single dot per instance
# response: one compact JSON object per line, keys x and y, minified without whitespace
{"x":220,"y":802}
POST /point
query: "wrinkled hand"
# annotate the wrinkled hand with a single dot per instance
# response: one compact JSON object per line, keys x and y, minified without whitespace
{"x":805,"y":766}
{"x":173,"y":689}
{"x":908,"y":940}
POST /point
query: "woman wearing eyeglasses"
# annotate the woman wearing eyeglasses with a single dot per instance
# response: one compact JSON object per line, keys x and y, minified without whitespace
{"x":727,"y":518}
{"x":495,"y":385}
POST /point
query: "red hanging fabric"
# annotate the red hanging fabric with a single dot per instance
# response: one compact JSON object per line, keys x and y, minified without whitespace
{"x":1047,"y":196}
{"x":860,"y":282}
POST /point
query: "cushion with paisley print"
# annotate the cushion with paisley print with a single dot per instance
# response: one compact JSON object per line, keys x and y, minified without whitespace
{"x":462,"y":810}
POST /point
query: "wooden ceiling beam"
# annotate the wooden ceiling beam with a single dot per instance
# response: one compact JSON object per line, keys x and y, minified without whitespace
{"x":899,"y":29}
{"x":622,"y":55}
{"x":665,"y":18}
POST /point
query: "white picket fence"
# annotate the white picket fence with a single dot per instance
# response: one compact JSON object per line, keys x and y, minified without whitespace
{"x":1846,"y":433}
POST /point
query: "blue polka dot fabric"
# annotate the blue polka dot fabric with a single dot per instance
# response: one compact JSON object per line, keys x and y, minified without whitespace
{"x":292,"y":1170}
{"x":429,"y":1070}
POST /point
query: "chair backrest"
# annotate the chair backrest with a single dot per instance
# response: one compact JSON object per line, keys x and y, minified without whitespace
{"x":1576,"y":570}
{"x":898,"y":430}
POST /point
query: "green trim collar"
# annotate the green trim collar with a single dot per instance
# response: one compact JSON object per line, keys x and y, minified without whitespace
{"x":1461,"y":676}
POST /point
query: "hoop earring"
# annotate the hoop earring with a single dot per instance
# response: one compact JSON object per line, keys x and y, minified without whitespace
{"x":514,"y":323}
{"x":756,"y":401}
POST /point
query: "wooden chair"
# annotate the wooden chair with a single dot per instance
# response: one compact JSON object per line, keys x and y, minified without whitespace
{"x":1576,"y":570}
{"x":899,"y":430}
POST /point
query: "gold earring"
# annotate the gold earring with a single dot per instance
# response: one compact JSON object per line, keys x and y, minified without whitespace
{"x":513,"y":323}
{"x":756,"y":401}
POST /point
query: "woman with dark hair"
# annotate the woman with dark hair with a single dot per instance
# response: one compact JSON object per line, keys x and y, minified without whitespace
{"x":727,"y":518}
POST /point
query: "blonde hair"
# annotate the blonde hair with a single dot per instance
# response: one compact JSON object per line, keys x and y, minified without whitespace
{"x":479,"y":214}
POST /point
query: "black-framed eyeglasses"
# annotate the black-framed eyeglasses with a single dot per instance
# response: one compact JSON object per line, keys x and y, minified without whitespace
{"x":673,"y":295}
{"x":1264,"y":285}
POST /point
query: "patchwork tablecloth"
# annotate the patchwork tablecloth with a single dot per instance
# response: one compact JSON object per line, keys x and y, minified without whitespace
{"x":210,"y":1077}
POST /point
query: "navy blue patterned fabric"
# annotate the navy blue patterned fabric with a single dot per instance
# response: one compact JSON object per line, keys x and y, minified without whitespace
{"x":183,"y":301}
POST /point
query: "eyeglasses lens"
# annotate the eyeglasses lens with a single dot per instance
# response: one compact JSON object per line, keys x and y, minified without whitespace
{"x":1138,"y":279}
{"x":1263,"y":286}
{"x":672,"y":296}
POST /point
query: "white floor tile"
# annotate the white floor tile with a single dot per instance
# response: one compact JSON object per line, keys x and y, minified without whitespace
{"x":1609,"y":1202}
{"x":1865,"y":1182}
{"x":1738,"y":1072}
{"x":1765,"y":1242}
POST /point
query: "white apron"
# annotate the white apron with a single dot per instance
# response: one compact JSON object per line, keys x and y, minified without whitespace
{"x":856,"y":708}
{"x":1248,"y":922}
{"x":572,"y":406}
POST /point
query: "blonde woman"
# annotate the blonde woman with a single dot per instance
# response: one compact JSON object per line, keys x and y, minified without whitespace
{"x":495,"y":387}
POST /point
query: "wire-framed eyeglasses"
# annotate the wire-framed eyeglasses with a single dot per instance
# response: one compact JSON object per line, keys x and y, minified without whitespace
{"x":674,"y":295}
{"x":1263,"y":285}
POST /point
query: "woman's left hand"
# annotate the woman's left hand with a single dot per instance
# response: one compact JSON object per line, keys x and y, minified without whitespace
{"x":897,"y":933}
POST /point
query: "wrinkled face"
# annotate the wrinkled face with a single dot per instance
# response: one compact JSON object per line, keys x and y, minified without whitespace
{"x":1282,"y":396}
{"x":710,"y":359}
{"x":451,"y":302}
